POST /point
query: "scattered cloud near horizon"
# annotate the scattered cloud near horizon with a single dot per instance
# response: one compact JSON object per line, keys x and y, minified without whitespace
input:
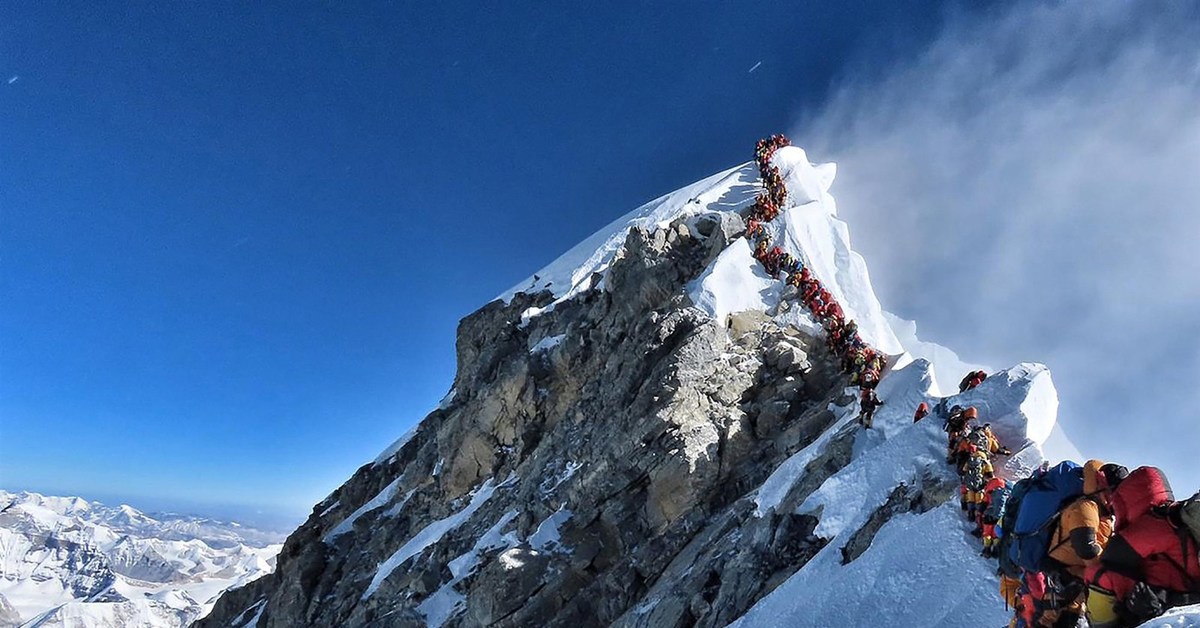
{"x":1028,"y":189}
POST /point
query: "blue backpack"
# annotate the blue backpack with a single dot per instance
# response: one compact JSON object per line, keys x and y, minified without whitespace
{"x":1042,"y":498}
{"x":999,"y":498}
{"x":1011,"y":507}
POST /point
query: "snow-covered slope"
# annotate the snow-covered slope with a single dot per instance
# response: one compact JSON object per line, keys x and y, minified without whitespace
{"x":68,"y":561}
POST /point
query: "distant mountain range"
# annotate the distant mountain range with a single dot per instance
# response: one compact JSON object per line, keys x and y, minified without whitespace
{"x":70,"y":561}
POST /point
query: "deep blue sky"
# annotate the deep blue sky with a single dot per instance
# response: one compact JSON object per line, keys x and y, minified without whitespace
{"x":236,"y":238}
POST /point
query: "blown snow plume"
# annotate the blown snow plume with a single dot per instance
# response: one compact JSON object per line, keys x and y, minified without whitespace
{"x":658,"y":429}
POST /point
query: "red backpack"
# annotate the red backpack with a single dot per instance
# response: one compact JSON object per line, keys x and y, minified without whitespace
{"x":1145,"y":488}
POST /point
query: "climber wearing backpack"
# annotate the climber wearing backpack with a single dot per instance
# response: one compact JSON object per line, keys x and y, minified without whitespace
{"x":868,"y":403}
{"x":956,"y":428}
{"x":976,"y":471}
{"x":995,"y":497}
{"x":811,"y":290}
{"x":961,"y":443}
{"x":971,"y":380}
{"x":771,"y":261}
{"x":1081,"y":530}
{"x":834,"y":334}
{"x":922,"y":412}
{"x":993,"y":445}
{"x":1084,"y":526}
{"x":762,"y":247}
{"x":1029,"y":514}
{"x":1152,"y":561}
{"x":753,"y":228}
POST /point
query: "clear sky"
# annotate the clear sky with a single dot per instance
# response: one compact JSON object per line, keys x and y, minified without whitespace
{"x":236,"y":238}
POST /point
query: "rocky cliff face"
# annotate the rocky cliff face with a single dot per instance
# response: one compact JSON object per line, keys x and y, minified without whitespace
{"x":619,"y":432}
{"x":635,"y":448}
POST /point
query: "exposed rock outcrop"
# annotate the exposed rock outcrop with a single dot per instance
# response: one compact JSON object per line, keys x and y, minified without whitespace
{"x":597,"y":453}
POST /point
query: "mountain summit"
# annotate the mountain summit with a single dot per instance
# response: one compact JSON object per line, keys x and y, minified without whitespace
{"x":653,"y":431}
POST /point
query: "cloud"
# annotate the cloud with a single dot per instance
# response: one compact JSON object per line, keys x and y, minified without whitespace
{"x":1028,"y":188}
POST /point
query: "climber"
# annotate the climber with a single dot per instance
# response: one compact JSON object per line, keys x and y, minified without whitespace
{"x":1151,"y":562}
{"x":956,"y":423}
{"x":811,"y":290}
{"x":761,"y":248}
{"x":834,"y":333}
{"x":868,"y":403}
{"x":975,"y":439}
{"x":957,"y":429}
{"x":869,"y":378}
{"x":816,"y":301}
{"x":753,"y":227}
{"x":995,"y":493}
{"x":1010,"y":590}
{"x":849,"y":334}
{"x":771,"y":261}
{"x":993,"y":445}
{"x":1081,"y":530}
{"x":976,"y":471}
{"x":795,"y":280}
{"x":1085,"y":524}
{"x":922,"y":412}
{"x":832,"y":309}
{"x":790,"y":264}
{"x":971,"y":380}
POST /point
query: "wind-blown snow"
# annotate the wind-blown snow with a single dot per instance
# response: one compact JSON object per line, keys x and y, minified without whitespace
{"x":948,"y":368}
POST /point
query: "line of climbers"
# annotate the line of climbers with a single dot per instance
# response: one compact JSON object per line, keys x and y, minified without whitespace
{"x":858,"y":359}
{"x":1093,"y":545}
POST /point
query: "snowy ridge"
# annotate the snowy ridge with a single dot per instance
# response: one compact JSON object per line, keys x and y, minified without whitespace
{"x":573,"y":270}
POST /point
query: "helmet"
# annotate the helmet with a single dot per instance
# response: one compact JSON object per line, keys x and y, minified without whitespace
{"x":971,"y":413}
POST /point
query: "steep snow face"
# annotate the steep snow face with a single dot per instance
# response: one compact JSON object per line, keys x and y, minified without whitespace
{"x":810,"y":230}
{"x":66,"y":561}
{"x":731,"y":190}
{"x":734,"y":282}
{"x":919,"y":569}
